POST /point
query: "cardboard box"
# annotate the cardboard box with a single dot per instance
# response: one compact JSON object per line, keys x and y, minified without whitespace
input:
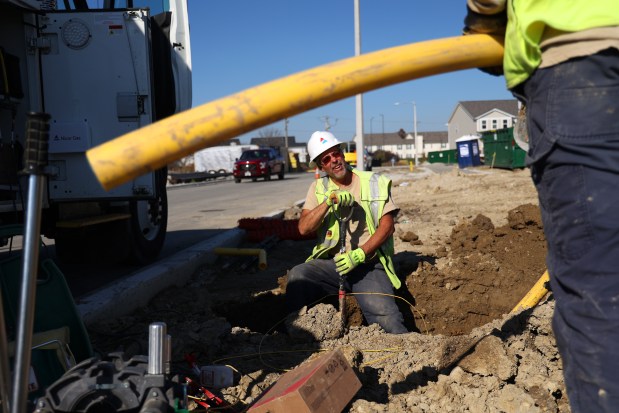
{"x":326,"y":384}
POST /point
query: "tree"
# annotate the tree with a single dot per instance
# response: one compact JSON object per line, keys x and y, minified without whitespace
{"x":269,"y":132}
{"x":380,"y":156}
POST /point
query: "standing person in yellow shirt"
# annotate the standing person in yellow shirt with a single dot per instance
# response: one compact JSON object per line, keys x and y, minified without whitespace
{"x":562,"y":62}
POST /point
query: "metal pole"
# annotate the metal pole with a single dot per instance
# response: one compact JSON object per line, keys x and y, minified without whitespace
{"x":35,"y":157}
{"x":415,"y":132}
{"x":286,"y":144}
{"x":359,"y":97}
{"x":382,"y":120}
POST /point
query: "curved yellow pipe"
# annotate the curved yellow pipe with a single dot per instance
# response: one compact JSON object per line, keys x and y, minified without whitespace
{"x":535,"y":294}
{"x":154,"y":146}
{"x":262,"y":254}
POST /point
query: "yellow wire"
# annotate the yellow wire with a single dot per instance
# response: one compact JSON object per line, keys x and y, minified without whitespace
{"x":401,"y":298}
{"x":260,"y":353}
{"x":379,"y":359}
{"x":392,"y":350}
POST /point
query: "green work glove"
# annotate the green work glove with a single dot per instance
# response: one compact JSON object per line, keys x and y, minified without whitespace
{"x":341,"y":198}
{"x":346,"y":262}
{"x":486,"y":17}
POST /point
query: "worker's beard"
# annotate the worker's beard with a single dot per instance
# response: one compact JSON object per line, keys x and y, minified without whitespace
{"x":339,"y":171}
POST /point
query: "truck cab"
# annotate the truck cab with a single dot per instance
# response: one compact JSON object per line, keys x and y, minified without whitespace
{"x":99,"y":69}
{"x":259,"y":163}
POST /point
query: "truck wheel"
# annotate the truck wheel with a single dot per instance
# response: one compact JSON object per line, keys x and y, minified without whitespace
{"x":267,"y":177}
{"x":149,"y":221}
{"x":280,"y":175}
{"x":237,"y":180}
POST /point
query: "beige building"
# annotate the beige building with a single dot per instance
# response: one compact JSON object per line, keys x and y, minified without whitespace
{"x":403,"y":143}
{"x":477,"y":116}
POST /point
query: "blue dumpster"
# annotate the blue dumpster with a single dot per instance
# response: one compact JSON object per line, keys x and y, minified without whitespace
{"x":468,"y":151}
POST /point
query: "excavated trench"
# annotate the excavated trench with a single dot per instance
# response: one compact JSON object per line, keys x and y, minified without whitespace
{"x":232,"y":313}
{"x":480,"y":275}
{"x":460,"y":270}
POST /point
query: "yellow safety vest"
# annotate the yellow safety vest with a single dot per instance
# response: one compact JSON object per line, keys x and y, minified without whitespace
{"x":374,"y":192}
{"x":527,"y":20}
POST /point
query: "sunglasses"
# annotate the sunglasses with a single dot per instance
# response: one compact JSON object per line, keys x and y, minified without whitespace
{"x":326,"y":159}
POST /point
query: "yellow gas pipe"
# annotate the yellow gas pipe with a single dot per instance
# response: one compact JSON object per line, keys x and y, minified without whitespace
{"x":535,"y":294}
{"x":262,"y":254}
{"x":154,"y":146}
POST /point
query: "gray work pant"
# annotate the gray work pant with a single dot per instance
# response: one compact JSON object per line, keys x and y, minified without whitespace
{"x":313,"y":280}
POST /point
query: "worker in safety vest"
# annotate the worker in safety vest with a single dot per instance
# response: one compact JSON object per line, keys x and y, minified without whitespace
{"x":367,"y":261}
{"x":562,"y":62}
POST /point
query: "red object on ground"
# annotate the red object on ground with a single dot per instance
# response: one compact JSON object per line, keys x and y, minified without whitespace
{"x":260,"y":228}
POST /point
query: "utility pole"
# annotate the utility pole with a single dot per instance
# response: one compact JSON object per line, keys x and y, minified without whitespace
{"x":328,"y":125}
{"x":359,"y":97}
{"x":286,"y":143}
{"x":382,"y":117}
{"x":415,"y":132}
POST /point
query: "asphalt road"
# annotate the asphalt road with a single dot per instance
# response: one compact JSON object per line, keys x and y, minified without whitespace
{"x":198,"y":212}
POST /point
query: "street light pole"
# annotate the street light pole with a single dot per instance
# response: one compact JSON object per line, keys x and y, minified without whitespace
{"x":415,"y":132}
{"x":382,"y":117}
{"x":286,"y":144}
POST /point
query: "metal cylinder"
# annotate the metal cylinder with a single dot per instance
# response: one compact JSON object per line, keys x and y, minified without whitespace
{"x":156,"y":347}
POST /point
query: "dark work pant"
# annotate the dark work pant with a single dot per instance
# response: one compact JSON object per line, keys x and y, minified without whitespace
{"x":573,"y":126}
{"x":313,"y":280}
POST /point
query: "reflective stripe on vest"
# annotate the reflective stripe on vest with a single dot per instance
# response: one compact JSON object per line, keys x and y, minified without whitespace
{"x":374,"y":193}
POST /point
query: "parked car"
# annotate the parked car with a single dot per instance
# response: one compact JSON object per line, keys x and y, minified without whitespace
{"x":259,"y":163}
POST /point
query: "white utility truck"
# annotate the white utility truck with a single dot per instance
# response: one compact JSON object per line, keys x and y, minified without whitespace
{"x":99,"y":68}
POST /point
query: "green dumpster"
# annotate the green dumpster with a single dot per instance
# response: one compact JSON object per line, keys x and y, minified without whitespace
{"x":447,"y":156}
{"x":501,"y":150}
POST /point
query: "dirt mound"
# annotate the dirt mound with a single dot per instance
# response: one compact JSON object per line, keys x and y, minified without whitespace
{"x":487,"y":272}
{"x":466,"y":259}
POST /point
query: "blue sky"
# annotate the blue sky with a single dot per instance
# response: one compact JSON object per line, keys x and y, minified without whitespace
{"x":237,"y":44}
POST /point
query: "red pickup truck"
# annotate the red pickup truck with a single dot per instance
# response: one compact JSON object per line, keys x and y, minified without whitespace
{"x":259,"y":163}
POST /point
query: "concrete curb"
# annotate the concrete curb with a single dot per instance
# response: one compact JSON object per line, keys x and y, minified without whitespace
{"x":138,"y":289}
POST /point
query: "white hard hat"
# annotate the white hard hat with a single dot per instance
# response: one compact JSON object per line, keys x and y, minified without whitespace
{"x":319,"y":142}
